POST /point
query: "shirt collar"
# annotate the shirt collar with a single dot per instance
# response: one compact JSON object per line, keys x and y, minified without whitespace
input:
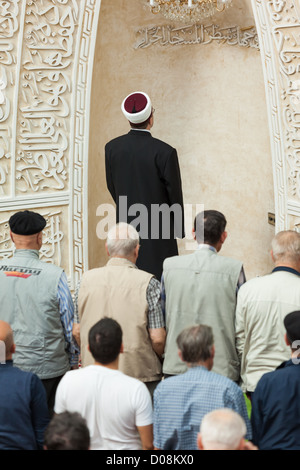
{"x":140,"y":130}
{"x":115,"y":261}
{"x":287,"y":269}
{"x":27,"y":253}
{"x":205,"y":246}
{"x":8,"y":363}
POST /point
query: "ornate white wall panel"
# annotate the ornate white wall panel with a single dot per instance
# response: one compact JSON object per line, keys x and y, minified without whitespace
{"x":278,"y":26}
{"x":46,"y":62}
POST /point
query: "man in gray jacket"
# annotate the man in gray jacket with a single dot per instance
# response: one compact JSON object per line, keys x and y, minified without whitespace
{"x":201,"y":288}
{"x":35,"y":300}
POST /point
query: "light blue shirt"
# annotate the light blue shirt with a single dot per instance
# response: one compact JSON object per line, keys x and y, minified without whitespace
{"x":180,"y":403}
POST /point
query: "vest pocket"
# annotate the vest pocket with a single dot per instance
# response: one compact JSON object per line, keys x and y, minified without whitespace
{"x":29,"y":353}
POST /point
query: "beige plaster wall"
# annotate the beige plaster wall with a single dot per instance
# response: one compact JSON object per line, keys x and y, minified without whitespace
{"x":210,"y":104}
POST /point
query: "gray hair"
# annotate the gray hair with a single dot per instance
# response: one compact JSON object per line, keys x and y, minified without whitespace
{"x":122,"y":239}
{"x":196,"y":343}
{"x":222,"y":429}
{"x":286,"y":246}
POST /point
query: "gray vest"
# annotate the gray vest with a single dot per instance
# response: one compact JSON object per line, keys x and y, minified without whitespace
{"x":28,"y":299}
{"x":201,"y":289}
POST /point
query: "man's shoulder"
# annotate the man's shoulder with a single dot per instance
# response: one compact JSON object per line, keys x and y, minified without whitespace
{"x":164,"y":145}
{"x":279,"y":376}
{"x":182,"y":260}
{"x":177,"y":261}
{"x":116,"y":140}
{"x":194,"y":375}
{"x":256,"y":284}
{"x":21,"y":374}
{"x":229,"y":260}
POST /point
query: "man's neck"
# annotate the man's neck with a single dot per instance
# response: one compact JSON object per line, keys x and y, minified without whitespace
{"x":128,"y":258}
{"x":113,"y":365}
{"x":207,"y":364}
{"x":294,"y":266}
{"x":27,"y":247}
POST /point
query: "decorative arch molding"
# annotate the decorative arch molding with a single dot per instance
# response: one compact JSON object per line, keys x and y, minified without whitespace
{"x":46,"y":63}
{"x":278,"y":27}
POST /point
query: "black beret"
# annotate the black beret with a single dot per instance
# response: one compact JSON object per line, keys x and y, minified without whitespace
{"x":27,"y":223}
{"x":292,"y":326}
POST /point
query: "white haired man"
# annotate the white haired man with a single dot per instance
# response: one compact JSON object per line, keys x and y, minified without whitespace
{"x":223,"y":429}
{"x":131,"y":297}
{"x":262,"y":304}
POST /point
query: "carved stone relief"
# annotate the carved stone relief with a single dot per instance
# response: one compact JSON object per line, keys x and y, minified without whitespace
{"x":278,"y":25}
{"x":46,"y":60}
{"x":167,"y":35}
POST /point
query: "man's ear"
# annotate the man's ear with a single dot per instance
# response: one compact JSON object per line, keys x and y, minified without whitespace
{"x":107,"y":252}
{"x":122,"y":348}
{"x":199,"y":441}
{"x":180,"y":354}
{"x":272,"y":256}
{"x":194,"y":234}
{"x":40,"y":238}
{"x":223,"y":237}
{"x":286,"y":340}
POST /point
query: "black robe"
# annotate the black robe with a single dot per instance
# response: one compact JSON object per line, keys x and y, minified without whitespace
{"x":146,"y":171}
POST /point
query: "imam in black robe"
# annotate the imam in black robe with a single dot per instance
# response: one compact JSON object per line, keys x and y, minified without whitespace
{"x":146,"y":171}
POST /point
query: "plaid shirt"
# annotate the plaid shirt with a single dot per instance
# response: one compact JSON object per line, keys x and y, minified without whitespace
{"x":66,"y":310}
{"x":180,"y":403}
{"x":155,"y":314}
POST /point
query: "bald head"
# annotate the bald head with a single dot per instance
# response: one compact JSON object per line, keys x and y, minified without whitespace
{"x":222,"y":429}
{"x":6,"y":338}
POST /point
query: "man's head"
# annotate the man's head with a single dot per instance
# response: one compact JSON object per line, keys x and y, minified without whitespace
{"x":196,"y":345}
{"x":137,"y":108}
{"x":292,"y":328}
{"x":222,"y":429}
{"x":209,"y":228}
{"x":286,"y":249}
{"x":67,"y":431}
{"x":26,"y":229}
{"x":123,"y":242}
{"x":105,"y":341}
{"x":7,"y":346}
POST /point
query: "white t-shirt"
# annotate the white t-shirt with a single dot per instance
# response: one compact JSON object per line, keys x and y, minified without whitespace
{"x":112,"y":403}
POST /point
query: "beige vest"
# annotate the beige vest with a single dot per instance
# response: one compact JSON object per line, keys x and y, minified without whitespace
{"x":118,"y":290}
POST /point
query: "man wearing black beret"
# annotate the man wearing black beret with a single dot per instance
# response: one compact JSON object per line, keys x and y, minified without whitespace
{"x":36,"y":301}
{"x":275,"y":416}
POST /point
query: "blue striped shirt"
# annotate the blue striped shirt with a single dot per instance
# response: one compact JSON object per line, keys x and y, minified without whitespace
{"x":66,"y":309}
{"x":180,"y":403}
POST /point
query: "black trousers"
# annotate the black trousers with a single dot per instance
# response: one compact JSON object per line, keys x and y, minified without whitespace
{"x":50,"y":387}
